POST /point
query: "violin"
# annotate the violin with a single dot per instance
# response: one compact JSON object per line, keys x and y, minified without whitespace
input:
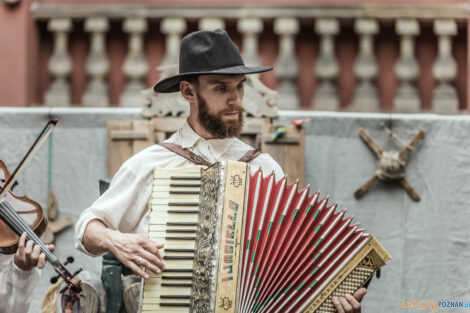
{"x":21,"y":214}
{"x":28,"y":210}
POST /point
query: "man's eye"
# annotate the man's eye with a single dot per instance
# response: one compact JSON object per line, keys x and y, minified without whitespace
{"x":241,"y":86}
{"x":220,"y":88}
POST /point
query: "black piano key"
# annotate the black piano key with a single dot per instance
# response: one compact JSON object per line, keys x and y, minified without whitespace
{"x":180,"y":270}
{"x":178,"y":257}
{"x":184,"y":192}
{"x":180,"y":238}
{"x":179,"y":250}
{"x":189,"y":185}
{"x":183,"y":204}
{"x":177,"y":285}
{"x":181,"y":224}
{"x":183,"y":211}
{"x":185,"y":177}
{"x":174,"y":297}
{"x":186,"y":231}
{"x":176,"y":277}
{"x":174,"y":304}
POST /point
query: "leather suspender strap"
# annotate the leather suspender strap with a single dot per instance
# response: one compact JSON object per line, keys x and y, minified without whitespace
{"x":198,"y":160}
{"x":185,"y":153}
{"x":249,"y":156}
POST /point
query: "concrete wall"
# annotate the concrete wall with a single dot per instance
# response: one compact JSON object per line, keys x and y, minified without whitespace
{"x":428,"y":240}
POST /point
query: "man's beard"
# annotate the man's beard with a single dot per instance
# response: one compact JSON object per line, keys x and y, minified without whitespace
{"x":215,"y":125}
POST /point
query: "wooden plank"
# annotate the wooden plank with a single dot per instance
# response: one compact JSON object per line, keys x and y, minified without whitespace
{"x":146,"y":127}
{"x":168,"y":124}
{"x":294,"y":156}
{"x":118,"y":151}
{"x":254,"y":125}
{"x":128,"y":135}
{"x":288,"y":152}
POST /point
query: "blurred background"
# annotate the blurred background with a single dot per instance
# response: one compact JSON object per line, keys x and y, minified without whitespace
{"x":392,"y":56}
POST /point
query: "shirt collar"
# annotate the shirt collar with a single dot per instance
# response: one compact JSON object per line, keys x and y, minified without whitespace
{"x":189,"y":138}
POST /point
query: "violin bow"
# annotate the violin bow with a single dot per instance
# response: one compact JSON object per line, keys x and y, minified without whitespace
{"x":47,"y":130}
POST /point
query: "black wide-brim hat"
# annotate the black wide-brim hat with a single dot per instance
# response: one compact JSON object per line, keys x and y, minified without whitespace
{"x":207,"y":52}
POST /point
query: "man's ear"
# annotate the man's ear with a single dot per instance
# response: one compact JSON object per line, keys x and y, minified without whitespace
{"x":187,"y":90}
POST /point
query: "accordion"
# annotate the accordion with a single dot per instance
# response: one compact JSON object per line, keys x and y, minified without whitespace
{"x":235,"y":242}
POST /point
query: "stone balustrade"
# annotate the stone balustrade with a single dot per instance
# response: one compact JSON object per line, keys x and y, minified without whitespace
{"x":337,"y":80}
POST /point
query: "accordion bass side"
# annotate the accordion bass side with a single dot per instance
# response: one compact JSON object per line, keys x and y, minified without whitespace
{"x":236,"y":242}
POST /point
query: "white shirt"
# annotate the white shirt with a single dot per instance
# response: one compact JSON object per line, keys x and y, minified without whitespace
{"x":16,"y":286}
{"x":125,"y":205}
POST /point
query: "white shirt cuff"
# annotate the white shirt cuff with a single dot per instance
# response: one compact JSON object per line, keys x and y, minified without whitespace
{"x":80,"y":231}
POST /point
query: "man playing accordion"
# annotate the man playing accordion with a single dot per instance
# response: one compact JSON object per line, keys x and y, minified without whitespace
{"x":211,"y":80}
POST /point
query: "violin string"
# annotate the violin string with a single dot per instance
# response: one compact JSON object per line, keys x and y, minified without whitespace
{"x":21,"y":226}
{"x":12,"y":217}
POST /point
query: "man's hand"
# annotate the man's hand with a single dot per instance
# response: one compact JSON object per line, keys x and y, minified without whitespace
{"x":348,"y":303}
{"x":130,"y":249}
{"x":29,"y":255}
{"x":134,"y":250}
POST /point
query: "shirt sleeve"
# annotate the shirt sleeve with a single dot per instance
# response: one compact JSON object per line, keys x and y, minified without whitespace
{"x":16,"y":286}
{"x":121,"y":207}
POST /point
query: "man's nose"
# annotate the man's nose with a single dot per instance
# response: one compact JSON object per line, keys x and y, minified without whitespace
{"x":236,"y":98}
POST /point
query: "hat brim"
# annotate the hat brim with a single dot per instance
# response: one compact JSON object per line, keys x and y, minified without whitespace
{"x":172,"y":84}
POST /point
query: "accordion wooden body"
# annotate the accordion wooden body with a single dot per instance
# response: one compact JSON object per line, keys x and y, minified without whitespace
{"x":236,"y":242}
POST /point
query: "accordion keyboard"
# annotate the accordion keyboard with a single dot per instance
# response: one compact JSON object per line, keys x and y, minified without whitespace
{"x":173,"y":222}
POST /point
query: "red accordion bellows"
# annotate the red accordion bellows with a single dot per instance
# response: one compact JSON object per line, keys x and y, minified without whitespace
{"x":293,"y":244}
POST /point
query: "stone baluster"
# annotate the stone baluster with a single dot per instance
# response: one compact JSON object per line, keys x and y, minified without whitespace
{"x":366,"y":69}
{"x":97,"y":64}
{"x":168,"y":103}
{"x":173,"y":28}
{"x":444,"y":98}
{"x":250,"y":28}
{"x":286,"y":65}
{"x":407,"y":69}
{"x":60,"y":64}
{"x":211,"y":24}
{"x":326,"y":67}
{"x":135,"y":65}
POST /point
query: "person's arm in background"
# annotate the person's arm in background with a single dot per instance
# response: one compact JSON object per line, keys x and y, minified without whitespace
{"x":19,"y":276}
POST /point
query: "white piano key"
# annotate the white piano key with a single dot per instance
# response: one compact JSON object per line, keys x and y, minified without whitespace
{"x":169,"y":175}
{"x":158,"y":300}
{"x":159,"y":208}
{"x":154,"y":309}
{"x":167,"y":188}
{"x":159,"y":286}
{"x":174,"y":199}
{"x":183,"y":292}
{"x":164,"y":227}
{"x":163,"y":218}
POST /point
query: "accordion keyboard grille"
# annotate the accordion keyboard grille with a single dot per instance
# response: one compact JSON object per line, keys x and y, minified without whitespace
{"x":353,"y":282}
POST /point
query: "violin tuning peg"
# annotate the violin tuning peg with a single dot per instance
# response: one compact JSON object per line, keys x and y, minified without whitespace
{"x":54,"y":279}
{"x":70,"y":260}
{"x":77,"y":272}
